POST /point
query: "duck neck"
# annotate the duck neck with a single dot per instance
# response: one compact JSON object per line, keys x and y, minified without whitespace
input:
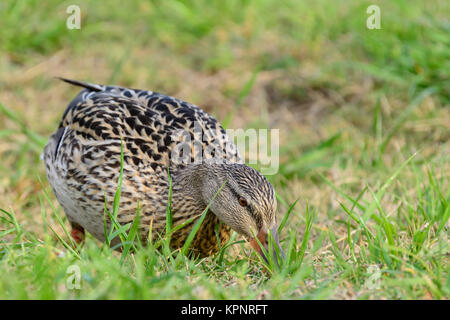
{"x":188,"y":185}
{"x":188,"y":182}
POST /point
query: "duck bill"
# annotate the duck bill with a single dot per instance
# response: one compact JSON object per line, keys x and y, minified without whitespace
{"x":263,"y":239}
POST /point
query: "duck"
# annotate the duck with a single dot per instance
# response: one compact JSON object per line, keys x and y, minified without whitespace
{"x":166,"y":147}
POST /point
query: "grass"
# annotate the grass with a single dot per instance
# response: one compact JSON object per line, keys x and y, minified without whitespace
{"x":363,"y":184}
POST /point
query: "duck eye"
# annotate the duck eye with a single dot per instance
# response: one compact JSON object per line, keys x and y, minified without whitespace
{"x":242,"y":202}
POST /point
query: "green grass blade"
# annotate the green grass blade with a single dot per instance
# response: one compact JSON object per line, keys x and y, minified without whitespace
{"x":196,"y":227}
{"x":286,"y":216}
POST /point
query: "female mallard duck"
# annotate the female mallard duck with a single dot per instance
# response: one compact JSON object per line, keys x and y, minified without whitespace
{"x":83,"y":156}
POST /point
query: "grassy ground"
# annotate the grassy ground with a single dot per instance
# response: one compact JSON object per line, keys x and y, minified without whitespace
{"x":364,"y":123}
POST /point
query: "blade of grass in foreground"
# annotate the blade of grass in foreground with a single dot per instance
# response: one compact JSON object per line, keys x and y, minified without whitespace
{"x":196,"y":227}
{"x":116,"y":229}
{"x":169,"y":209}
{"x":226,"y":246}
{"x":286,"y":216}
{"x":128,"y":232}
{"x":309,"y":223}
{"x":131,"y":236}
{"x":119,"y":184}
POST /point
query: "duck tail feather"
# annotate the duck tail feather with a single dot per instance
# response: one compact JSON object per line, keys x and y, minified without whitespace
{"x":89,"y":86}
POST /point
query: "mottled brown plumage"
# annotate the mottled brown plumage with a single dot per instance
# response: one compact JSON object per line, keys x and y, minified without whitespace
{"x":83,"y":163}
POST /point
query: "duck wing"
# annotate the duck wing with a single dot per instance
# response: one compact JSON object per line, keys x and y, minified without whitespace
{"x":150,"y":124}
